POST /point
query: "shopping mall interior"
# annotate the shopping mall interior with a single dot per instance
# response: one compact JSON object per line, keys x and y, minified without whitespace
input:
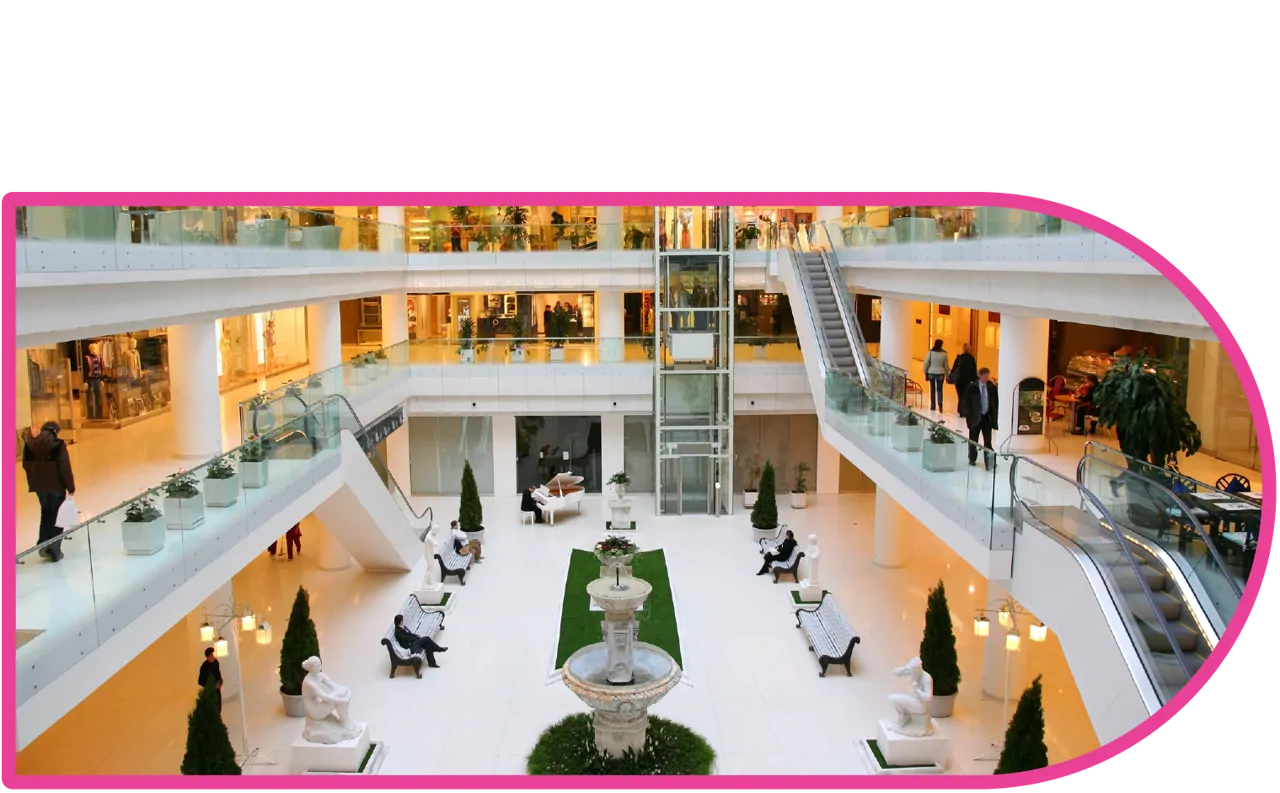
{"x":254,"y":400}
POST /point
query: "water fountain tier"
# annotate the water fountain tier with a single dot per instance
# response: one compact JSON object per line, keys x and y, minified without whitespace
{"x":619,"y":598}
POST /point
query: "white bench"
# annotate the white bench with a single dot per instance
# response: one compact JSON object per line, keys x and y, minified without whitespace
{"x":454,"y":563}
{"x":829,"y":634}
{"x":416,"y":620}
{"x":789,"y":566}
{"x":770,"y":544}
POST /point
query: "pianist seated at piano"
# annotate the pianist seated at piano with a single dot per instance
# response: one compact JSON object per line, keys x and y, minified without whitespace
{"x":530,"y":504}
{"x":562,"y":491}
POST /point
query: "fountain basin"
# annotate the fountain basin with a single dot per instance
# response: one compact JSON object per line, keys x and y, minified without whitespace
{"x":654,"y":672}
{"x":626,"y":601}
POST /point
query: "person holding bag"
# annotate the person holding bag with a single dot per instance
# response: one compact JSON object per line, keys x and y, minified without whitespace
{"x":48,"y":467}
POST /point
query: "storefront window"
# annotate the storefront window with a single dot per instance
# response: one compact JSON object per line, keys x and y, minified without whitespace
{"x":438,"y":448}
{"x":259,"y":345}
{"x":49,"y":383}
{"x":124,"y":378}
{"x":637,"y":452}
{"x":550,"y":445}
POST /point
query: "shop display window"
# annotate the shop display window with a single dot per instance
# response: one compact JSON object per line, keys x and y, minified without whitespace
{"x":259,"y":345}
{"x":52,"y":397}
{"x":123,"y":378}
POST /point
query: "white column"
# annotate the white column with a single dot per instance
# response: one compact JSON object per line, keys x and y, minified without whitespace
{"x":1024,"y":352}
{"x":22,"y":391}
{"x":828,"y":467}
{"x":333,"y":555}
{"x":193,"y":380}
{"x":324,"y":335}
{"x":398,"y":456}
{"x":395,"y":318}
{"x":890,"y":550}
{"x":504,"y":456}
{"x":995,"y":655}
{"x":610,"y":325}
{"x":897,"y":326}
{"x":391,"y":233}
{"x":830,"y":213}
{"x":218,"y":602}
{"x":609,"y":228}
{"x":611,"y":443}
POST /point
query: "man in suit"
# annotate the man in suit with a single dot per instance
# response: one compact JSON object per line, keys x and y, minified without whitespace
{"x":413,"y":642}
{"x":781,"y":555}
{"x":981,"y":410}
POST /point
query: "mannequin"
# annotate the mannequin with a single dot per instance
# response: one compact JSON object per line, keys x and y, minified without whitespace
{"x":93,"y":382}
{"x":132,"y":361}
{"x":686,"y":218}
{"x":269,"y":344}
{"x":225,"y":345}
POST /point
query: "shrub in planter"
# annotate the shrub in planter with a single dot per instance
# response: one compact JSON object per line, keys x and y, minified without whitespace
{"x":300,"y":643}
{"x":941,"y":452}
{"x":746,"y":236}
{"x":515,"y":326}
{"x":359,"y":372}
{"x":253,"y":463}
{"x":183,"y":504}
{"x":882,"y":417}
{"x":938,"y":652}
{"x":222,"y":483}
{"x":749,"y":493}
{"x":558,"y":332}
{"x":467,"y":340}
{"x":620,"y":482}
{"x":764,"y":515}
{"x":569,"y":748}
{"x":382,"y":361}
{"x":801,"y":488}
{"x":209,"y":749}
{"x":1024,"y":748}
{"x":907,"y":434}
{"x":143,"y":527}
{"x":470,"y":512}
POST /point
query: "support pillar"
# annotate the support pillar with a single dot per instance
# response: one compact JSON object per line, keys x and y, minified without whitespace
{"x":828,"y":475}
{"x":611,"y":325}
{"x":324,"y":335}
{"x":504,"y":456}
{"x":22,"y":392}
{"x":1024,"y":352}
{"x":609,"y":228}
{"x":398,"y":456}
{"x":193,"y":380}
{"x":333,"y":554}
{"x":391,"y":231}
{"x":612,"y":444}
{"x":395,"y":318}
{"x":890,"y":546}
{"x":897,"y":327}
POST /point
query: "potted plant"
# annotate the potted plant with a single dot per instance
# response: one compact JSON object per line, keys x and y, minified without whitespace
{"x":358,"y":373}
{"x":462,"y":222}
{"x":253,"y":463}
{"x":647,"y":344}
{"x":636,"y":238}
{"x":382,"y":362}
{"x":209,"y":750}
{"x":222,"y":483}
{"x":470,"y":512}
{"x":580,"y":234}
{"x":938,"y":652}
{"x":907,"y":434}
{"x":746,"y":236}
{"x":515,"y":237}
{"x":749,"y":493}
{"x":616,"y":551}
{"x":143,"y":527}
{"x":558,"y":333}
{"x":315,"y":387}
{"x":300,"y":643}
{"x":370,"y":365}
{"x":183,"y":504}
{"x":467,"y":340}
{"x":620,"y":482}
{"x":292,"y":402}
{"x":1148,"y":410}
{"x":799,"y":492}
{"x":515,"y":326}
{"x":558,"y":225}
{"x":882,"y":416}
{"x":1024,"y":747}
{"x":941,"y":452}
{"x":764,"y":515}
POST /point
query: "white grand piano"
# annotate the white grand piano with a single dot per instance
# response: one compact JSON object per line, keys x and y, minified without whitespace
{"x":561,"y":492}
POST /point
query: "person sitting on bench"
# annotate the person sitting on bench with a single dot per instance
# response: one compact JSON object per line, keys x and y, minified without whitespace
{"x":1084,"y":404}
{"x":463,"y":545}
{"x":781,"y":555}
{"x":415,"y":643}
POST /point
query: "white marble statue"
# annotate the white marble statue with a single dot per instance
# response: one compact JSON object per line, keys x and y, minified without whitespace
{"x":431,"y":547}
{"x":912,"y":708}
{"x":328,"y":707}
{"x":811,"y":555}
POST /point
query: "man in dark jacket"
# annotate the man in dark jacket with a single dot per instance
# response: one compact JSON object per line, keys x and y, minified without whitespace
{"x":529,"y":504}
{"x":48,"y":467}
{"x":413,"y":642}
{"x":781,"y":555}
{"x":981,"y":410}
{"x":211,"y":670}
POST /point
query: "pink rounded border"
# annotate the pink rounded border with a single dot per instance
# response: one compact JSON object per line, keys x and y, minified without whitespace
{"x":8,"y":623}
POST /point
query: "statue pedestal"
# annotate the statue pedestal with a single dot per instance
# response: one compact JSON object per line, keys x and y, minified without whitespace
{"x":620,"y":513}
{"x":430,"y":595}
{"x":810,"y":592}
{"x":341,"y":758}
{"x":903,"y":750}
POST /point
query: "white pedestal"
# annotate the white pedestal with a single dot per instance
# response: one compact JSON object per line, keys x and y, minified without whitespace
{"x":430,"y":596}
{"x":810,"y":591}
{"x":620,"y":513}
{"x":342,"y":758}
{"x":901,"y":750}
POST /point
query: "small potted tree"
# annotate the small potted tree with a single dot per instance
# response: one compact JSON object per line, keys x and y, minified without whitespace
{"x":183,"y":504}
{"x":620,"y":482}
{"x":515,"y":326}
{"x":882,"y":416}
{"x":636,"y":238}
{"x":799,"y":493}
{"x":941,"y":452}
{"x":359,"y":373}
{"x":300,"y":643}
{"x":209,"y":750}
{"x":1148,"y":411}
{"x":221,"y":483}
{"x":938,"y":653}
{"x":382,"y":362}
{"x":515,"y":237}
{"x":750,"y":492}
{"x":580,"y":234}
{"x":764,"y":515}
{"x":1024,"y":747}
{"x":558,"y":333}
{"x":467,"y":340}
{"x":559,"y":227}
{"x":253,"y":463}
{"x":143,"y":527}
{"x":470,"y":512}
{"x":746,"y":237}
{"x":907,"y":434}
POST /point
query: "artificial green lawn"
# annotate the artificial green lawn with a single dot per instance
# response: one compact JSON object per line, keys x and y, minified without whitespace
{"x":580,"y":626}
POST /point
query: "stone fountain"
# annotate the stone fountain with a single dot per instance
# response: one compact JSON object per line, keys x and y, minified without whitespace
{"x":620,"y":678}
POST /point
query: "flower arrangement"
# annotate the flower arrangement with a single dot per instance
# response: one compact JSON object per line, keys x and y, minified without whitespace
{"x":220,"y":468}
{"x":181,"y":485}
{"x":253,"y":450}
{"x":620,"y":478}
{"x":612,"y":547}
{"x":142,"y":509}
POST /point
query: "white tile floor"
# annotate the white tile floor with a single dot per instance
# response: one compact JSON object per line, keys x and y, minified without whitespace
{"x":757,"y":697}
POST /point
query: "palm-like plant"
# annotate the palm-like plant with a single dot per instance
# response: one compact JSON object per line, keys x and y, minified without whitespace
{"x":1148,"y":410}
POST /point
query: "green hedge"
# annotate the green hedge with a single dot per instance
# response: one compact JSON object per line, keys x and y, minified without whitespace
{"x":569,"y":748}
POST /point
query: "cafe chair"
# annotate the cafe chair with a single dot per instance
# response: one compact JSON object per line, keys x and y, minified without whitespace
{"x":915,"y":393}
{"x":1233,"y":483}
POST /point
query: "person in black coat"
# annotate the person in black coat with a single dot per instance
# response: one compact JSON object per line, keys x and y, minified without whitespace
{"x":964,"y":370}
{"x":211,"y":672}
{"x":781,"y":555}
{"x":413,"y":642}
{"x":981,"y":410}
{"x":530,"y":504}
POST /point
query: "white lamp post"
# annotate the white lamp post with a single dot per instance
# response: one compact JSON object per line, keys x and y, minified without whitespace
{"x":217,"y":620}
{"x":1007,"y":612}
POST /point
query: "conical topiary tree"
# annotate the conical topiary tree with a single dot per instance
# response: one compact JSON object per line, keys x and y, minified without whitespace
{"x":300,"y":643}
{"x":938,"y":646}
{"x":470,"y":513}
{"x":764,"y":515}
{"x":1024,"y":748}
{"x":209,"y":749}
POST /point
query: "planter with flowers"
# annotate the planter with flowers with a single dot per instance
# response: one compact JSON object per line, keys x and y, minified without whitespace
{"x":371,"y":365}
{"x":359,"y":372}
{"x":383,"y":362}
{"x":615,"y":551}
{"x":253,"y":463}
{"x":315,"y":388}
{"x":143,"y":527}
{"x":293,"y":404}
{"x":221,"y":483}
{"x":183,"y":503}
{"x":907,"y":434}
{"x":941,"y":452}
{"x":882,"y":416}
{"x":620,"y":482}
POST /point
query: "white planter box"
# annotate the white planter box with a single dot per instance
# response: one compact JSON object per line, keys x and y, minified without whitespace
{"x":478,"y":536}
{"x":184,"y":513}
{"x":941,"y":456}
{"x":472,"y":247}
{"x":253,"y":475}
{"x":384,"y":366}
{"x":692,"y":346}
{"x":517,"y":355}
{"x":222,"y":492}
{"x":759,"y":352}
{"x":143,"y":539}
{"x":881,"y":422}
{"x":291,"y":408}
{"x":467,"y":356}
{"x":763,"y":534}
{"x":315,"y":393}
{"x":564,"y":245}
{"x":371,"y":371}
{"x":749,"y":497}
{"x":557,"y":354}
{"x":906,"y":438}
{"x":360,"y":375}
{"x":798,"y":500}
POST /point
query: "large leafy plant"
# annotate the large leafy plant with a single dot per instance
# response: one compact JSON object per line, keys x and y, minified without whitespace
{"x":1148,"y":410}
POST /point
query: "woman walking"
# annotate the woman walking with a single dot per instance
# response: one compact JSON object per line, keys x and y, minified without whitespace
{"x":936,"y":367}
{"x":964,"y":370}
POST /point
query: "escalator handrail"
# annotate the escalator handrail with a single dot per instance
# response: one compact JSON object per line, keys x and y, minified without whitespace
{"x":1092,"y":444}
{"x":1204,"y":535}
{"x":797,"y":256}
{"x":1110,"y":522}
{"x":826,"y":361}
